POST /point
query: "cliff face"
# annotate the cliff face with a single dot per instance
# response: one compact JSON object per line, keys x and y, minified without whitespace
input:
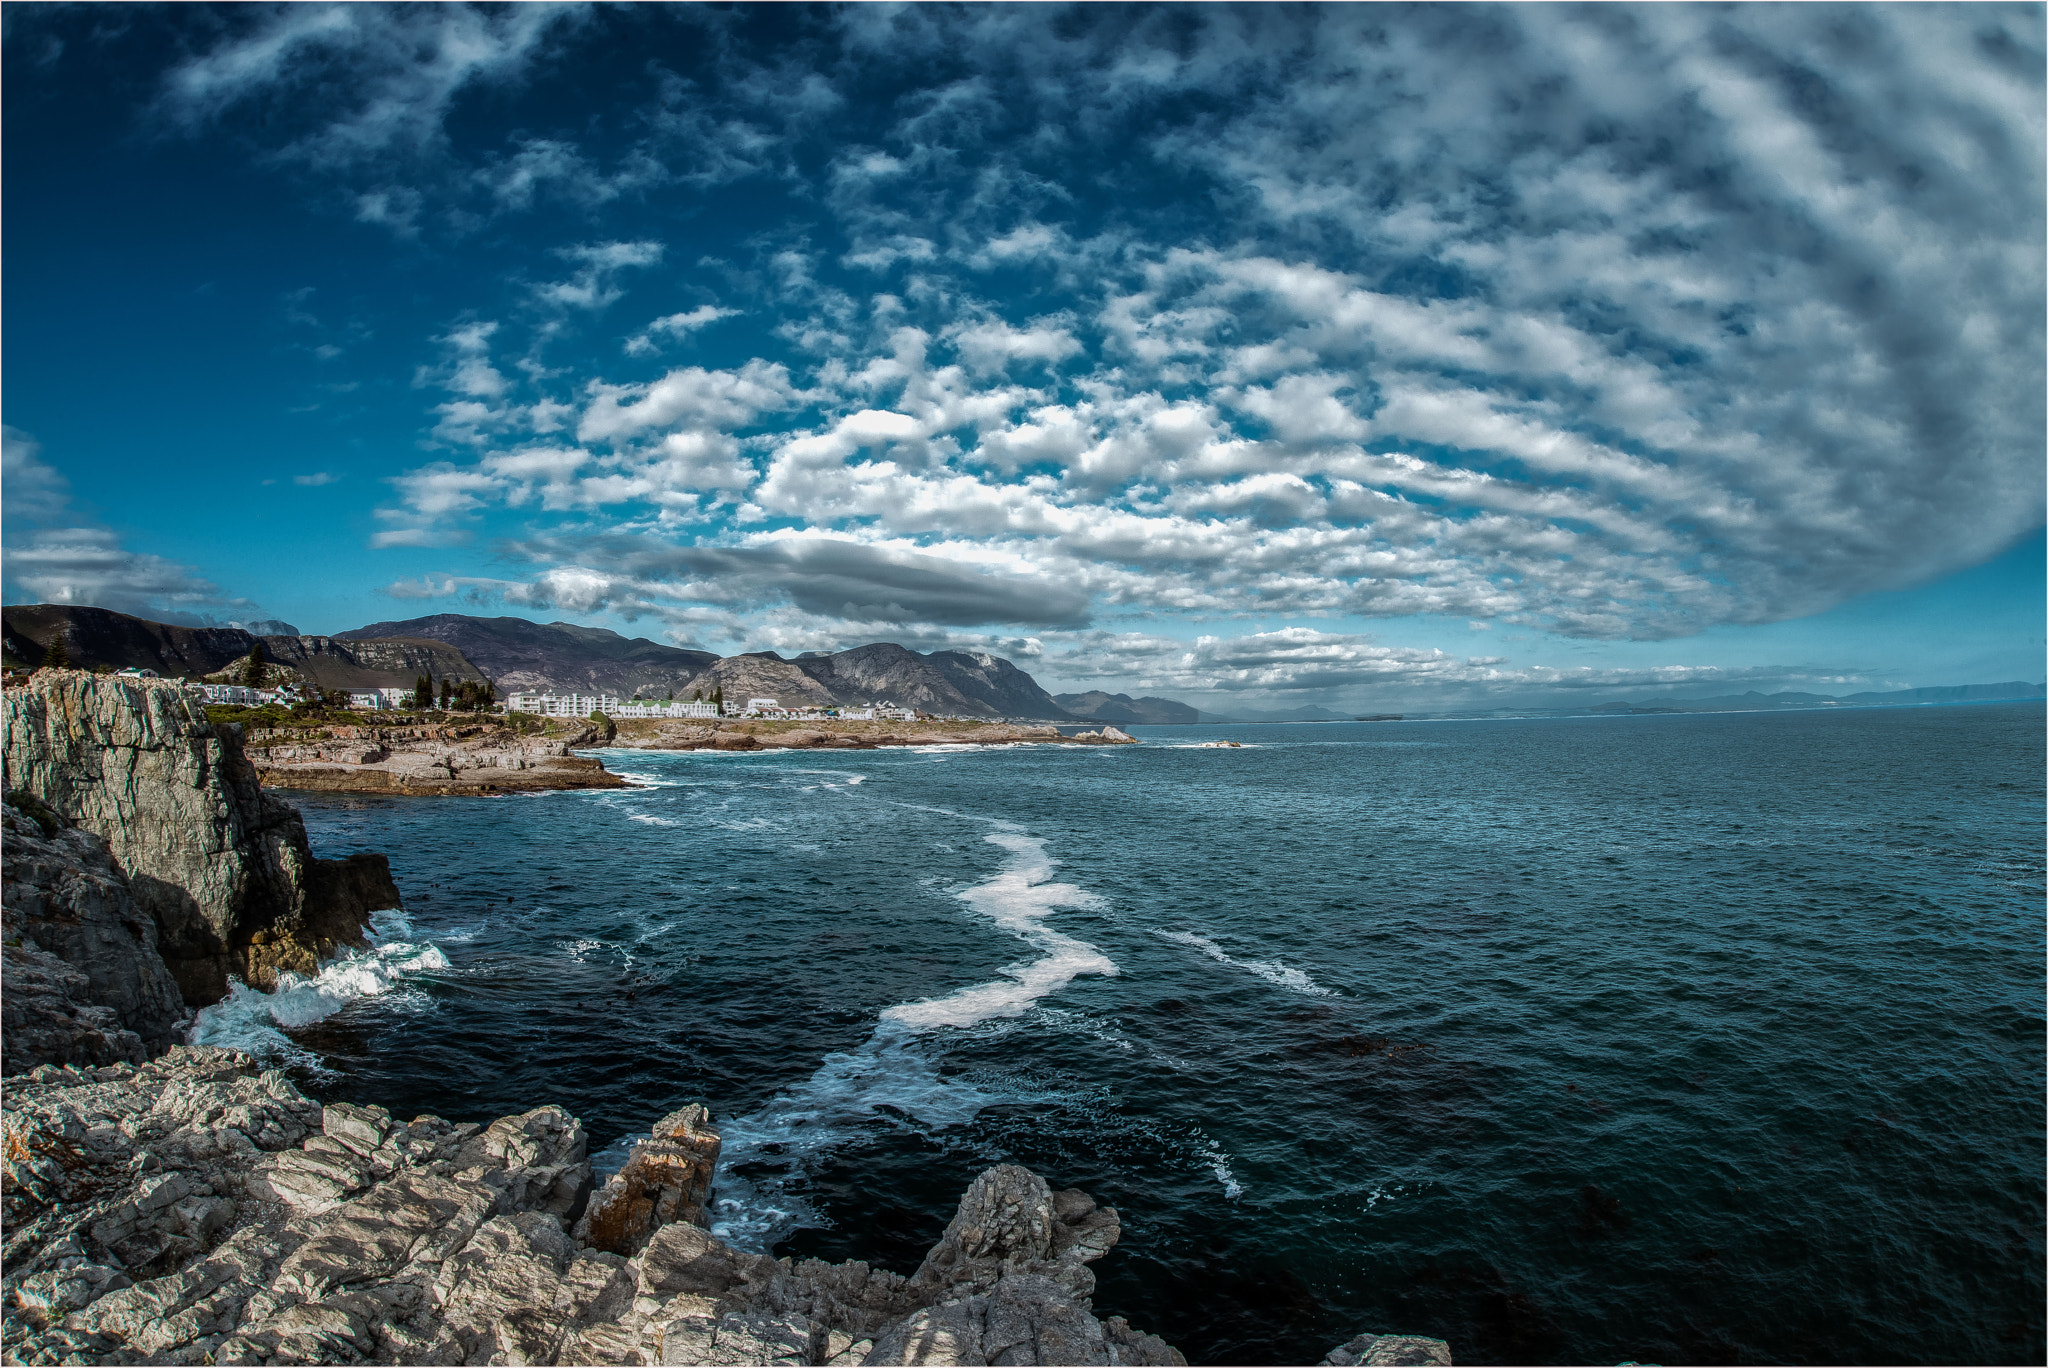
{"x":84,"y":983}
{"x":98,"y":636}
{"x":220,"y":866}
{"x":332,"y":664}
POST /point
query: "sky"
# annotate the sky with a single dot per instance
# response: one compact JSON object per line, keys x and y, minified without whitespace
{"x":1259,"y":356}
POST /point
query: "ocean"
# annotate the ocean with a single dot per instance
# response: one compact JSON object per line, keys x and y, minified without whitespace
{"x":1669,"y":1039}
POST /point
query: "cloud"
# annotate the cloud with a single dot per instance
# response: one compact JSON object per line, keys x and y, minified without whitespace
{"x":1605,"y":322}
{"x":826,"y":578}
{"x":593,"y":287}
{"x":676,"y":325}
{"x":318,"y":477}
{"x":357,"y":81}
{"x":53,"y":556}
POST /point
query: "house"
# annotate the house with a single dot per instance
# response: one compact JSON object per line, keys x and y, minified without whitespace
{"x":234,"y":695}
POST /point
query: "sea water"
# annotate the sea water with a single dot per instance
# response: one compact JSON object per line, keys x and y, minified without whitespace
{"x":1674,"y":1038}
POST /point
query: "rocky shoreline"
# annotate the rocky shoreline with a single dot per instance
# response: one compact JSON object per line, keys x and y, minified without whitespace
{"x":177,"y":1204}
{"x":480,"y":759}
{"x":199,"y":1209}
{"x":462,"y":760}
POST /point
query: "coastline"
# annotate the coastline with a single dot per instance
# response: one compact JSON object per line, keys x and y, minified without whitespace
{"x":486,"y":758}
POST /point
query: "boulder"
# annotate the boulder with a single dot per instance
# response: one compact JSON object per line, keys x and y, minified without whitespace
{"x":221,"y":866}
{"x":666,"y":1178}
{"x":1388,"y":1350}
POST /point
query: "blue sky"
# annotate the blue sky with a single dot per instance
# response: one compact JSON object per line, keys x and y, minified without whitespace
{"x":1266,"y":355}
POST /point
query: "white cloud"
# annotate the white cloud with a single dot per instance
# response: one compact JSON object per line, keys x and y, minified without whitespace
{"x":52,"y":555}
{"x":676,"y":325}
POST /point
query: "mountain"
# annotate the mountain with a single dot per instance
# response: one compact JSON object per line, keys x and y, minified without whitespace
{"x":1097,"y":706}
{"x":97,"y":637}
{"x":954,"y":683}
{"x":1311,"y":713}
{"x":1754,"y":701}
{"x":518,"y":654}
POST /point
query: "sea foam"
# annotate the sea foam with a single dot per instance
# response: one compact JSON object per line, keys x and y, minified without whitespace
{"x":1294,"y":980}
{"x":252,"y":1021}
{"x":766,"y":1151}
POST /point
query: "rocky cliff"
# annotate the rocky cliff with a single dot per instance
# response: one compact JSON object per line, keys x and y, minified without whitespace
{"x":221,"y":867}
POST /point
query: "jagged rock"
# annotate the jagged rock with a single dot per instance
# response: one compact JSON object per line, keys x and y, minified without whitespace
{"x":145,"y":1222}
{"x":222,"y":867}
{"x":1379,"y":1350}
{"x":667,"y":1178}
{"x":83,"y":981}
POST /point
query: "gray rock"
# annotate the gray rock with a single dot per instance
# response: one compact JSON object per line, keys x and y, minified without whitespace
{"x":1388,"y":1350}
{"x":84,"y":983}
{"x":148,"y":1219}
{"x":222,"y":867}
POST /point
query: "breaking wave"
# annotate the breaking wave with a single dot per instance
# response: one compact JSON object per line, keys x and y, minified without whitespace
{"x":255,"y":1022}
{"x":766,"y":1151}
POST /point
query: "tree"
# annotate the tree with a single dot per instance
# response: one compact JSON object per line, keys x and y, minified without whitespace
{"x":56,"y":655}
{"x":422,"y":692}
{"x":718,"y":699}
{"x":252,"y":668}
{"x":447,"y":692}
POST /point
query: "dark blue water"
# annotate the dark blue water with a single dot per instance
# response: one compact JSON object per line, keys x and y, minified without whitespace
{"x":1679,"y":1039}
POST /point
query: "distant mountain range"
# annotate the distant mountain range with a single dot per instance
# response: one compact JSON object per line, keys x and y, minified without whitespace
{"x":1754,"y":701}
{"x":1097,"y":706}
{"x":518,"y":655}
{"x":97,"y":636}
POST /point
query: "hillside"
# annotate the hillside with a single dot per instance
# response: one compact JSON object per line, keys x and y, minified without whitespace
{"x":518,"y":654}
{"x":98,"y":637}
{"x":1097,"y":706}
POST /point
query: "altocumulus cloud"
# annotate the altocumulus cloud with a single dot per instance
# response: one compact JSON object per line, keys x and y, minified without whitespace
{"x":1614,"y":322}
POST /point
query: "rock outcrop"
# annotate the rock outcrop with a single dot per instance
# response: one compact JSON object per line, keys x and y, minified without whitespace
{"x":198,"y":1210}
{"x":222,"y":867}
{"x":84,"y":983}
{"x":460,"y":760}
{"x":1389,"y":1351}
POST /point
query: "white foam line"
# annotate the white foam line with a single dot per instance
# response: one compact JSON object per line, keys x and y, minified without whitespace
{"x":251,"y":1021}
{"x":1291,"y":979}
{"x":889,"y":1069}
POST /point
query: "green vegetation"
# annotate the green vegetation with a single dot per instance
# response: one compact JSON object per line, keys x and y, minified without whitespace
{"x":422,"y":693}
{"x":252,"y":668}
{"x":57,"y":656}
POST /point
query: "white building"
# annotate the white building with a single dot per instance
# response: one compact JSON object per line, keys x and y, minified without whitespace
{"x":563,"y":705}
{"x":236,"y":695}
{"x":666,"y":710}
{"x":763,"y":705}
